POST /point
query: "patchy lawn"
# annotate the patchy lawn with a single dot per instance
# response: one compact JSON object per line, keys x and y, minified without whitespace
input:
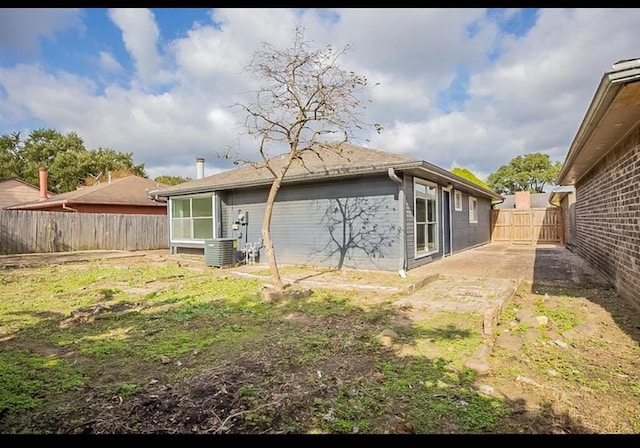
{"x":134,"y":346}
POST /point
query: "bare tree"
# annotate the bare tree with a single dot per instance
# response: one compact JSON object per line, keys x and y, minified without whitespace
{"x":306,"y":102}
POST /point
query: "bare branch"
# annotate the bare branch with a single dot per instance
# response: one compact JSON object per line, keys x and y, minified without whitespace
{"x":305,"y":101}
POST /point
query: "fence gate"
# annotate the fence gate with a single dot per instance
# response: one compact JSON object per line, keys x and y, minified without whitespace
{"x":533,"y":226}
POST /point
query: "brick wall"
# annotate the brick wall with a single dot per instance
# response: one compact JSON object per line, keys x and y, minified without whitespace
{"x":608,"y":216}
{"x":567,"y":204}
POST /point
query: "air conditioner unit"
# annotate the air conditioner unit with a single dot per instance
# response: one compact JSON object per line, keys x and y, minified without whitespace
{"x":220,"y":252}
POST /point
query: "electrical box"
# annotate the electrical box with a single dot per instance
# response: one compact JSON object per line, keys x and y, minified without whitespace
{"x":220,"y":252}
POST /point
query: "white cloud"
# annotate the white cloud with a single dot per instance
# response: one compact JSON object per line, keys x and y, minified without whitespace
{"x":140,"y":35}
{"x":524,"y":94}
{"x":109,"y":63}
{"x":21,"y":28}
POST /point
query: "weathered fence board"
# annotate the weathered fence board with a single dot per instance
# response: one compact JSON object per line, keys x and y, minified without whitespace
{"x":26,"y":231}
{"x":533,"y":226}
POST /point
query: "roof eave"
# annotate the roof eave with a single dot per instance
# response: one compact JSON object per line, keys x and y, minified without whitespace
{"x":32,"y":205}
{"x":607,"y":90}
{"x":333,"y":174}
{"x":461,"y":180}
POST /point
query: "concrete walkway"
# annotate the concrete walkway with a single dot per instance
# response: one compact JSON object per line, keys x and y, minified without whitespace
{"x":482,"y":280}
{"x":542,"y":264}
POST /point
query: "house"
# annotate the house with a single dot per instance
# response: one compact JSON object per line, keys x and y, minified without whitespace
{"x":126,"y":195}
{"x":603,"y":164}
{"x":16,"y":191}
{"x":565,"y":198}
{"x":339,"y":206}
{"x":536,"y":200}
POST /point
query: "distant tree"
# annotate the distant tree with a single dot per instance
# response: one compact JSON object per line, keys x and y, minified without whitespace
{"x":68,"y":162}
{"x":9,"y":148}
{"x":102,"y":161}
{"x":171,"y":180}
{"x":109,"y":176}
{"x":305,"y":99}
{"x":530,"y":172}
{"x":468,"y":175}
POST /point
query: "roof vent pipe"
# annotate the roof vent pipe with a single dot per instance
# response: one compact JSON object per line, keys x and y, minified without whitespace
{"x":199,"y":168}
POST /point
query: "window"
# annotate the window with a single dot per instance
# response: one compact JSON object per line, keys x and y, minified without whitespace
{"x":192,"y":218}
{"x":457,"y":199}
{"x":425,"y":218}
{"x":473,"y":209}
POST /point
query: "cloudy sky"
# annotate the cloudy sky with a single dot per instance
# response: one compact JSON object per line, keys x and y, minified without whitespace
{"x":457,"y":87}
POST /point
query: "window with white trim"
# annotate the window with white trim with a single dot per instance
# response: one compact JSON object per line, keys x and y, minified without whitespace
{"x":191,"y":218}
{"x":473,"y":210}
{"x":457,"y":200}
{"x":425,"y":218}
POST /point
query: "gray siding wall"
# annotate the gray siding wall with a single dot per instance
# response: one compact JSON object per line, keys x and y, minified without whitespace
{"x":344,"y":223}
{"x":464,"y":235}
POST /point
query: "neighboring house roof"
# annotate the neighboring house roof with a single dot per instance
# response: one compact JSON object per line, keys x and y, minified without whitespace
{"x":130,"y":190}
{"x":560,"y":192}
{"x":614,"y":111}
{"x":14,"y":191}
{"x":538,"y":200}
{"x":322,"y":163}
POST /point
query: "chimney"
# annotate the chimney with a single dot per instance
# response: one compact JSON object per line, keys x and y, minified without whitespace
{"x":199,"y":168}
{"x":523,"y":200}
{"x":43,"y":184}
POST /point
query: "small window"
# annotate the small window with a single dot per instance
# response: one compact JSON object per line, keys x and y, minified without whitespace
{"x":457,"y":199}
{"x":473,"y":209}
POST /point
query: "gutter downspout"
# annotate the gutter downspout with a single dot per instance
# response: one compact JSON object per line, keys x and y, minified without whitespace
{"x":402,"y":218}
{"x":66,"y":207}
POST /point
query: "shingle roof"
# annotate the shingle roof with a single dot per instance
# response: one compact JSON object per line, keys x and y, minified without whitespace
{"x":14,"y":190}
{"x":313,"y":164}
{"x":130,"y":190}
{"x":328,"y":161}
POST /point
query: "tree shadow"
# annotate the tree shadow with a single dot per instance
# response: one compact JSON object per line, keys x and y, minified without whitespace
{"x":355,"y":227}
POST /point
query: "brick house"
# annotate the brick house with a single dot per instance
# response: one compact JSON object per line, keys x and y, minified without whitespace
{"x":603,"y":163}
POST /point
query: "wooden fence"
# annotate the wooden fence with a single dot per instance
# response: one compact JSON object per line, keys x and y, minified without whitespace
{"x":25,"y":231}
{"x":533,"y":226}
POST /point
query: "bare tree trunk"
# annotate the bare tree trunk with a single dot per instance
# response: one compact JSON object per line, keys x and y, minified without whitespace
{"x":266,"y":224}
